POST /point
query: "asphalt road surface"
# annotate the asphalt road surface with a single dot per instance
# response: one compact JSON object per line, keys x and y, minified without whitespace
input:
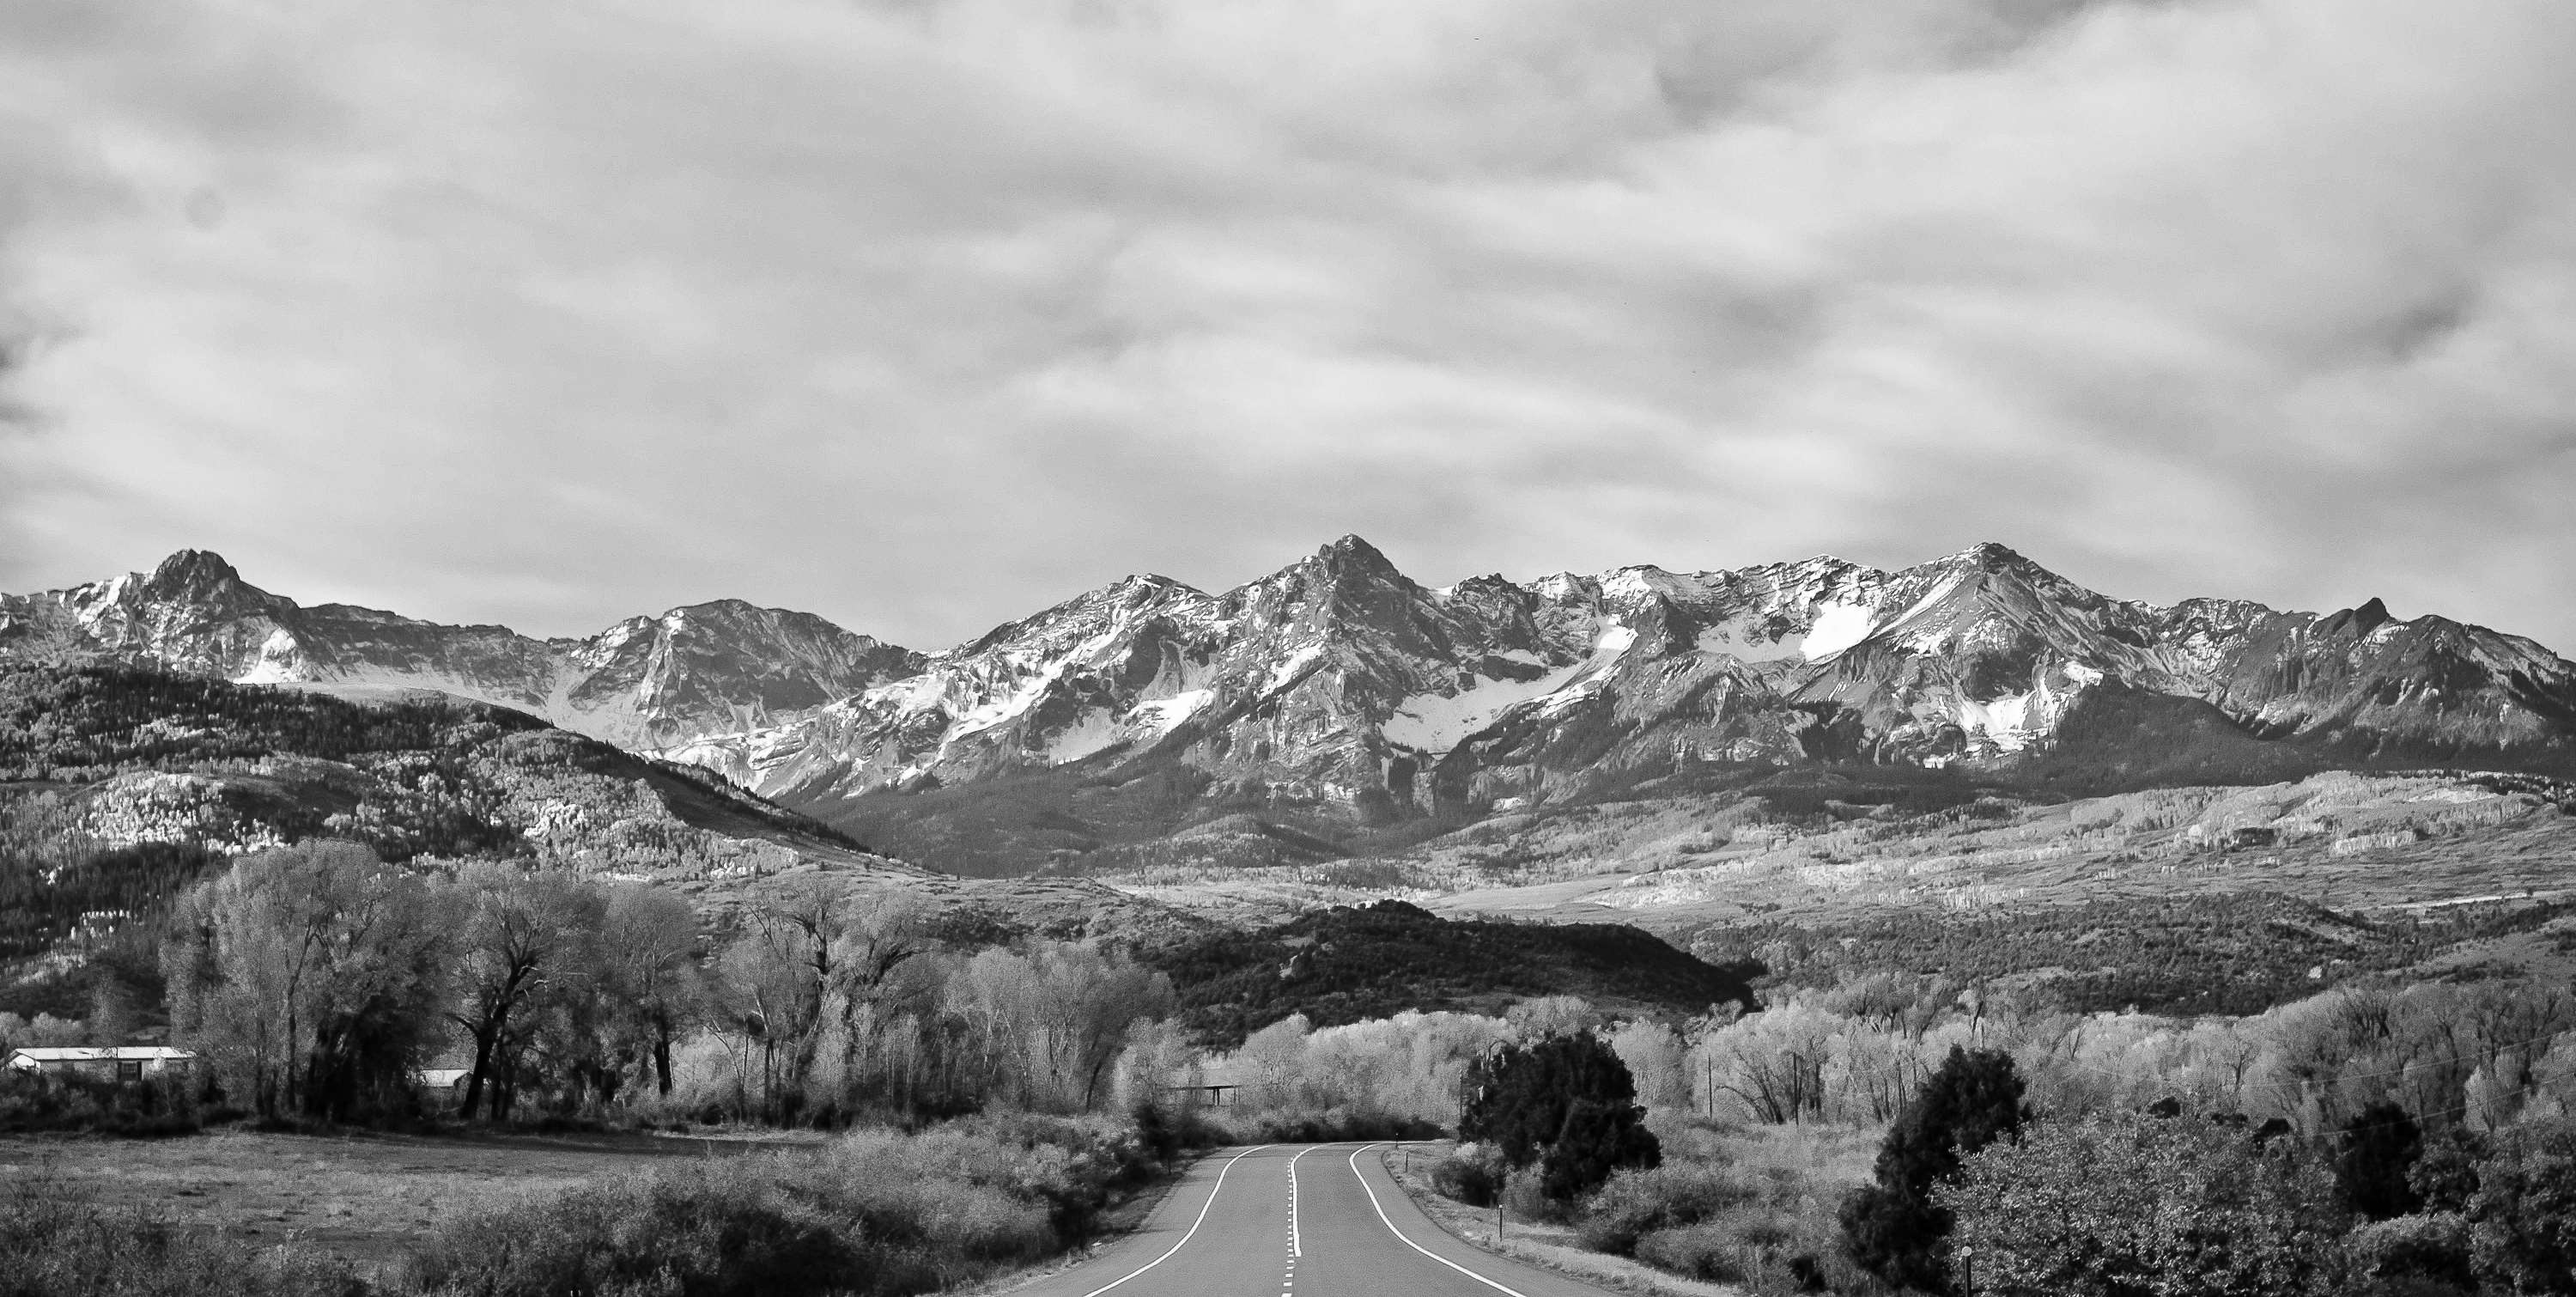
{"x":1296,"y":1220}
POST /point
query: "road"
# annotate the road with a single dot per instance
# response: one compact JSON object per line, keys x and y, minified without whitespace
{"x":1296,"y":1220}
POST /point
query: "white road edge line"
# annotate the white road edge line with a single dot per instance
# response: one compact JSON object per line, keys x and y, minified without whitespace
{"x":1194,"y":1225}
{"x":1399,"y":1234}
{"x":1296,"y":1238}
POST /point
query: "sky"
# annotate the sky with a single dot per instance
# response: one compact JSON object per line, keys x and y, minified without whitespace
{"x":925,"y":314}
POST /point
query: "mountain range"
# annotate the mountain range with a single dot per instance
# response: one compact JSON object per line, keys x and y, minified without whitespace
{"x":642,"y":683}
{"x":1337,"y":696}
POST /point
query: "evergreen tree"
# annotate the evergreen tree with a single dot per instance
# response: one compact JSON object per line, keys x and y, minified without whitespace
{"x":2378,"y":1148}
{"x":1894,"y":1228}
{"x":1566,"y":1101}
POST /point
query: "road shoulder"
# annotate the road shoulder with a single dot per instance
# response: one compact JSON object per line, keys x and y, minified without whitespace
{"x":1474,"y":1226}
{"x":1118,"y":1224}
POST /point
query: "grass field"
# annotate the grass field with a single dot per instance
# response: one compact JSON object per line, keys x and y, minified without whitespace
{"x":364,"y":1197}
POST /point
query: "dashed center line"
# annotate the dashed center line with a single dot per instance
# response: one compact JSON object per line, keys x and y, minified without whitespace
{"x":1296,"y":1240}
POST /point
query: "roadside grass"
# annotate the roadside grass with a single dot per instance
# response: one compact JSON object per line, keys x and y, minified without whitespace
{"x":59,"y":1243}
{"x":365,"y":1198}
{"x":1755,"y":1204}
{"x":1732,"y":1209}
{"x":1551,"y":1245}
{"x":864,"y":1213}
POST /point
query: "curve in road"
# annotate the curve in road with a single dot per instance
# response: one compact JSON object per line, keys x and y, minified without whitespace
{"x":1257,"y":1222}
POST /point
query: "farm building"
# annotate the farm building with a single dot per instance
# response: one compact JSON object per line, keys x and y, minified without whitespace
{"x":105,"y":1062}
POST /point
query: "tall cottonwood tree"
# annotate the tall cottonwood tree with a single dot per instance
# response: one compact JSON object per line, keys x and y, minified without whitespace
{"x":1046,"y":1022}
{"x":310,"y":976}
{"x":649,"y":952}
{"x":521,"y":936}
{"x":804,"y":970}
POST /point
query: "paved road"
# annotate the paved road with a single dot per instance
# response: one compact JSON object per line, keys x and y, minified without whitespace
{"x":1296,"y":1220}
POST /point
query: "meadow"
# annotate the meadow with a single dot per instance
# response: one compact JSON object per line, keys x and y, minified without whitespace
{"x":864,"y":1213}
{"x":366,"y":1198}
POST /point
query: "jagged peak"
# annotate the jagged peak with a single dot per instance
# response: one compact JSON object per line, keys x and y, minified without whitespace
{"x":1121,"y":597}
{"x":1989,"y":556}
{"x":194,"y":567}
{"x":1490,"y":581}
{"x":202,"y":576}
{"x":2370,"y":616}
{"x":1350,"y":551}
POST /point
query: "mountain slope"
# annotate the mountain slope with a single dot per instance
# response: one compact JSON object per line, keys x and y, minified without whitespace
{"x":121,"y":784}
{"x":647,"y":681}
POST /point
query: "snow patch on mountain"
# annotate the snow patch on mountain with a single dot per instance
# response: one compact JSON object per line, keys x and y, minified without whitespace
{"x":1436,"y":722}
{"x":2003,"y":721}
{"x":1160,"y":716}
{"x":1838,"y":626}
{"x":1090,"y":735}
{"x":1286,"y":673}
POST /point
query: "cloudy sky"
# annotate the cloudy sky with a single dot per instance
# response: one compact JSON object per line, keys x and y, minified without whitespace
{"x":921,"y":314}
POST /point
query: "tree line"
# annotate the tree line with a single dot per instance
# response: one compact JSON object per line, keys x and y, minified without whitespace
{"x":318,"y":981}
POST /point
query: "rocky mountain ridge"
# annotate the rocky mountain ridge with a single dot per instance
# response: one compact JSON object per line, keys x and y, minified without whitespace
{"x":1338,"y":693}
{"x":1340,"y":681}
{"x":715,"y":667}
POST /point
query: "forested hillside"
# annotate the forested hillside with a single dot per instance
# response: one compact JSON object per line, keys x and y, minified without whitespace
{"x":2185,"y":956}
{"x":1345,"y":965}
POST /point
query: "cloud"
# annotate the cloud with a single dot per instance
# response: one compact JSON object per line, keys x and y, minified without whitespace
{"x":925,"y":314}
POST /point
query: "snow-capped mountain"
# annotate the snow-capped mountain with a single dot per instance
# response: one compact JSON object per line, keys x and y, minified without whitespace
{"x":647,"y":681}
{"x":1340,"y":689}
{"x":1340,"y":682}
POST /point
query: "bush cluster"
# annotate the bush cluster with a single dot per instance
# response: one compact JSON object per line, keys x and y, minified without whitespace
{"x":53,"y":1245}
{"x":73,"y":1102}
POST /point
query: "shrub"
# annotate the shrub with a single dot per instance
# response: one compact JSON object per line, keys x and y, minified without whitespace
{"x":728,"y":1228}
{"x":2445,"y":1174}
{"x":875,"y":1213}
{"x":53,"y":1246}
{"x":1749,"y":1206}
{"x":2430,"y":1247}
{"x":1700,"y":1251}
{"x":1472,"y":1174}
{"x":160,"y":1106}
{"x":1639,"y":1202}
{"x":1525,"y":1195}
{"x":2523,"y":1235}
{"x":2110,"y":1207}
